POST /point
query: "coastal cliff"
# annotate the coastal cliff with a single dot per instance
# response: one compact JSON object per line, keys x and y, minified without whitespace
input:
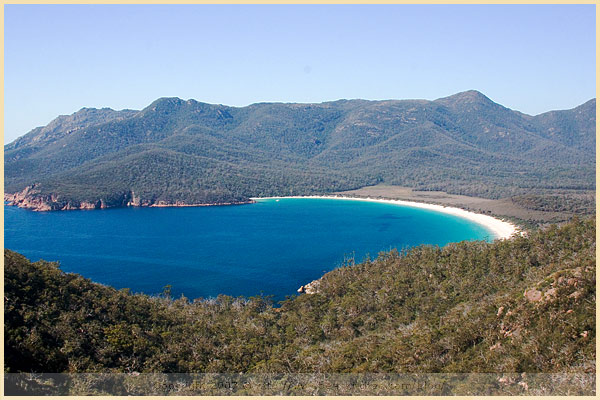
{"x":33,"y":199}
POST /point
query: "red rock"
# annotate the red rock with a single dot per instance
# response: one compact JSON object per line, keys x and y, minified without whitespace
{"x":533,"y":295}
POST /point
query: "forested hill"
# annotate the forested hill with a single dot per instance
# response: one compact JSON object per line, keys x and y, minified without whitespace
{"x":521,"y":305}
{"x":177,"y":151}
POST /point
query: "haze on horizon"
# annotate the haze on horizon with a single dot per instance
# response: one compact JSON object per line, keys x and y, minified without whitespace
{"x":60,"y":58}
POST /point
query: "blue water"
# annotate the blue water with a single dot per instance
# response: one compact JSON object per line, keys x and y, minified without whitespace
{"x":271,"y":247}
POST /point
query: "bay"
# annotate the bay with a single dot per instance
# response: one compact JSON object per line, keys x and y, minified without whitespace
{"x":271,"y":247}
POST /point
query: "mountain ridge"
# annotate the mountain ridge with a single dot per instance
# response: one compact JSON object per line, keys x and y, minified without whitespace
{"x":464,"y":143}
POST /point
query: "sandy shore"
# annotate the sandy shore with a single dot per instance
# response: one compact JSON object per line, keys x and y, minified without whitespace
{"x":499,"y":229}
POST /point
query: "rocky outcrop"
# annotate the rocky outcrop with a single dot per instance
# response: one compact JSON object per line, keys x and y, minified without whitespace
{"x":33,"y":199}
{"x":135,"y":201}
{"x":533,"y":295}
{"x":310,"y":288}
{"x":547,"y":290}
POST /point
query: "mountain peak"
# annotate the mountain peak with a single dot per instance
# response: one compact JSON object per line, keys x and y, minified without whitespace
{"x":468,"y":96}
{"x":168,"y":104}
{"x":167,"y":101}
{"x":163,"y":105}
{"x":470,"y":100}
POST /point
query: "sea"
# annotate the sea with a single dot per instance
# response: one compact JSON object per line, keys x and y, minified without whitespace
{"x":270,"y":248}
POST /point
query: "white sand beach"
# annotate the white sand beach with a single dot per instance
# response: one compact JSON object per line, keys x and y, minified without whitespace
{"x":500,"y":229}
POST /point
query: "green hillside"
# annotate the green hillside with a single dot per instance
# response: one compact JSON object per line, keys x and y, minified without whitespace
{"x":520,"y":305}
{"x":192,"y":152}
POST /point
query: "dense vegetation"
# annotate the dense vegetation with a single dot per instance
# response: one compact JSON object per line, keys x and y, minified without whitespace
{"x":520,"y":305}
{"x":583,"y":203}
{"x":186,"y":151}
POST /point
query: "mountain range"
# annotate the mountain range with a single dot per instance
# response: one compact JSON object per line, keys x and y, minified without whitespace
{"x":178,"y":152}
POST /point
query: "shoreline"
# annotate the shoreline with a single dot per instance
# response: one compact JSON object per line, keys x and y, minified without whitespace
{"x":498,"y":228}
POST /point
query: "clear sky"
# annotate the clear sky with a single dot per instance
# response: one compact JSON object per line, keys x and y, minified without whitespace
{"x":60,"y":58}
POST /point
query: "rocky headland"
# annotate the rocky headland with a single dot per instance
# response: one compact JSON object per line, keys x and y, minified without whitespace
{"x":33,"y":199}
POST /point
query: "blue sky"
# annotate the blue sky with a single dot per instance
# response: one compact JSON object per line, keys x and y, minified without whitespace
{"x":58,"y":59}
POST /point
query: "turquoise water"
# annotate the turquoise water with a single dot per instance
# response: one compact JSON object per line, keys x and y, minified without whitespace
{"x":271,"y":247}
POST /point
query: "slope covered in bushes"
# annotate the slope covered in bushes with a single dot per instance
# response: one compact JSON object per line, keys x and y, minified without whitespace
{"x":521,"y":305}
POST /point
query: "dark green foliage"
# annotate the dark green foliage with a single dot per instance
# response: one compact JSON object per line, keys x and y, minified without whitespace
{"x":461,"y":308}
{"x":176,"y":150}
{"x":578,"y":203}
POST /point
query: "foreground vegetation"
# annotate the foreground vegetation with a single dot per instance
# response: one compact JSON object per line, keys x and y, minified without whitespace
{"x":521,"y":305}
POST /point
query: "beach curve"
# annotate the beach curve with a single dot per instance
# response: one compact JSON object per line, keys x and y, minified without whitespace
{"x":500,"y":229}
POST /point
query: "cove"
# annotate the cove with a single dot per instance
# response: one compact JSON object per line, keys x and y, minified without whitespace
{"x":271,"y":247}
